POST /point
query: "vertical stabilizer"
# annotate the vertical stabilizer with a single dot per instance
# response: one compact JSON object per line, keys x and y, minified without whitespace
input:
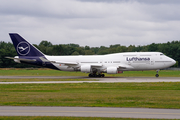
{"x":23,"y":47}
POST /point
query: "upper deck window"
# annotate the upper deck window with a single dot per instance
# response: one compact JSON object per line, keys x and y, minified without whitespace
{"x":161,"y":54}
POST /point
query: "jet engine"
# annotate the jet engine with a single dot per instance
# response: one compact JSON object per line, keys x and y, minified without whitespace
{"x":86,"y":68}
{"x":112,"y":70}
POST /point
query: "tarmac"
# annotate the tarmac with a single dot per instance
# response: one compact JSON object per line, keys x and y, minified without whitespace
{"x":94,"y":80}
{"x":90,"y":111}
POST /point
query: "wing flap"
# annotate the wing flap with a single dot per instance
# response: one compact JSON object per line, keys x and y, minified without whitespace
{"x":66,"y":63}
{"x":124,"y":66}
{"x":58,"y":62}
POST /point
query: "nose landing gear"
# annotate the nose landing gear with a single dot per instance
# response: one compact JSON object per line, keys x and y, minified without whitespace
{"x":157,"y":75}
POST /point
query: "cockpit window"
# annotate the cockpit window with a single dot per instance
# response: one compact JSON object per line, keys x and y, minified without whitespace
{"x":161,"y":54}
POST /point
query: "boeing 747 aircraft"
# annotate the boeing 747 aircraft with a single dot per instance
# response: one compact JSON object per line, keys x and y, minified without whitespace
{"x":95,"y":65}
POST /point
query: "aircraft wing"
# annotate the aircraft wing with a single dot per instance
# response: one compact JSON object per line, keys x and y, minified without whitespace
{"x":74,"y":63}
{"x":124,"y":66}
{"x":96,"y":65}
{"x":58,"y":62}
{"x":21,"y":59}
{"x":67,"y":63}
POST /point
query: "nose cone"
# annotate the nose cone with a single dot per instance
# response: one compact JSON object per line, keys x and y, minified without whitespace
{"x":173,"y":61}
{"x":168,"y":62}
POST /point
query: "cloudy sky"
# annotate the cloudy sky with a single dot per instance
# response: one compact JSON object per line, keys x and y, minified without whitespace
{"x":91,"y":22}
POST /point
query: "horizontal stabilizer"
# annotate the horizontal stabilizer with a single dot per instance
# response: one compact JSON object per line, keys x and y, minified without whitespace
{"x":21,"y":59}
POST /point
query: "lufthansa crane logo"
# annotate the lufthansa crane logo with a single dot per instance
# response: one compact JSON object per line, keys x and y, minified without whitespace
{"x":23,"y":48}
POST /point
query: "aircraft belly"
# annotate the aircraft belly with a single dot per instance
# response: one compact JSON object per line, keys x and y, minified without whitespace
{"x":142,"y":66}
{"x":64,"y":67}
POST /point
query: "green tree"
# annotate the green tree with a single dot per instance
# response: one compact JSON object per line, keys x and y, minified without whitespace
{"x":103,"y":50}
{"x":57,"y":50}
{"x":122,"y":49}
{"x":75,"y":53}
{"x":153,"y":47}
{"x":87,"y":48}
{"x":89,"y":52}
{"x":131,"y":48}
{"x":45,"y":43}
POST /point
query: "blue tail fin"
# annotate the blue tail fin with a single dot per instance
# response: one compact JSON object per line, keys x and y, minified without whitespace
{"x":23,"y":47}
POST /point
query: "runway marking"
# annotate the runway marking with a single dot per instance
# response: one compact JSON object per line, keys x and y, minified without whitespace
{"x":30,"y":111}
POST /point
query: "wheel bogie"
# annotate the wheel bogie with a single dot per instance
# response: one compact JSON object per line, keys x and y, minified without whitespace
{"x":96,"y":75}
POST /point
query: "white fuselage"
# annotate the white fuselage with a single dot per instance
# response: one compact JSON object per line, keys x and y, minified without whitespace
{"x":93,"y":64}
{"x":122,"y":61}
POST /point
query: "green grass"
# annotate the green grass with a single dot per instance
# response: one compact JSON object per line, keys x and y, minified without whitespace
{"x":49,"y":72}
{"x":43,"y":79}
{"x":66,"y":118}
{"x":145,"y":95}
{"x":38,"y":72}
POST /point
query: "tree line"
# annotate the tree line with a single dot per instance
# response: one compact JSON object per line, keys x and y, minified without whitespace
{"x":171,"y":49}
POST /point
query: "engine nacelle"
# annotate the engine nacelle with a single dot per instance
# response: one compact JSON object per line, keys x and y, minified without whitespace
{"x":86,"y":68}
{"x":112,"y":70}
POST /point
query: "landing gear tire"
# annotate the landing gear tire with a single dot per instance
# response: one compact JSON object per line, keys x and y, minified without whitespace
{"x":102,"y":75}
{"x":95,"y":75}
{"x":90,"y":75}
{"x":99,"y":75}
{"x":157,"y":75}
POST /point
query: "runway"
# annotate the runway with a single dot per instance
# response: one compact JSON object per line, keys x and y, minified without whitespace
{"x":98,"y":80}
{"x":90,"y":112}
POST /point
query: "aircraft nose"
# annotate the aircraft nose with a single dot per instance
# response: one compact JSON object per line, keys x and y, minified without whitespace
{"x":173,"y":62}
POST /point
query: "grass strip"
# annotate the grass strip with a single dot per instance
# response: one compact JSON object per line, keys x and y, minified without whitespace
{"x":38,"y":72}
{"x":41,"y":79}
{"x":49,"y":72}
{"x":144,"y":95}
{"x":66,"y":118}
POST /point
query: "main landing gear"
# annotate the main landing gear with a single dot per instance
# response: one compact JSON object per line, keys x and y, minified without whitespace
{"x":157,"y":75}
{"x":96,"y":75}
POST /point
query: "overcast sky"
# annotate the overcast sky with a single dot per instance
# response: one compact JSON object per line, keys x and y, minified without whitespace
{"x":91,"y":22}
